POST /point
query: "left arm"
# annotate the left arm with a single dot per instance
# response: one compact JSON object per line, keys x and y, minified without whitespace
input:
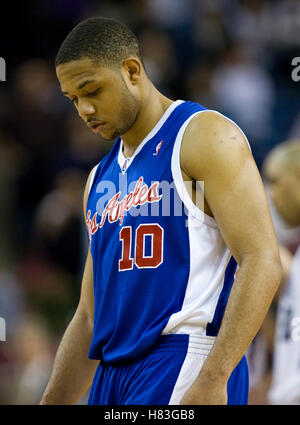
{"x":215,"y":151}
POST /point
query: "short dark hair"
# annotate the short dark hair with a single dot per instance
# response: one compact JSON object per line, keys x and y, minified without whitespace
{"x":105,"y":41}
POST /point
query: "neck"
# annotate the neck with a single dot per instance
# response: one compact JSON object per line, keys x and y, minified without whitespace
{"x":152,"y":108}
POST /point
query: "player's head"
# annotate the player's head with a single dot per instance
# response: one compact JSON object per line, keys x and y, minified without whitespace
{"x":282,"y":169}
{"x":99,"y":67}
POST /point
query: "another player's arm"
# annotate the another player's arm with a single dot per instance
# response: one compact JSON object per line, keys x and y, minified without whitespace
{"x":73,"y":372}
{"x":215,"y":151}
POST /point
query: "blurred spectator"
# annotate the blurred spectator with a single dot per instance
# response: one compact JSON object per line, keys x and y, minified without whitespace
{"x":209,"y":28}
{"x":12,"y":299}
{"x":198,"y":85}
{"x":287,"y":236}
{"x":160,"y":63}
{"x":244,"y":92}
{"x":261,"y":351}
{"x":35,"y":120}
{"x":282,"y":169}
{"x":36,"y":107}
{"x":175,"y":17}
{"x":283,"y":15}
{"x":32,"y":349}
{"x":11,"y":165}
{"x":58,"y":221}
{"x":170,"y":13}
{"x":245,"y":23}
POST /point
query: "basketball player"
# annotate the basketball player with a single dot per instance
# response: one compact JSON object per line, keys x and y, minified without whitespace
{"x":151,"y":325}
{"x":282,"y":169}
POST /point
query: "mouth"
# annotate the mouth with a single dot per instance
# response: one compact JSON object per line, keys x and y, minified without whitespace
{"x":96,"y":126}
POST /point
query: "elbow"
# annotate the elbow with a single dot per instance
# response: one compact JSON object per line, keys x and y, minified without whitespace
{"x":277,"y":270}
{"x":271,"y":266}
{"x":267,"y":264}
{"x":85,"y":319}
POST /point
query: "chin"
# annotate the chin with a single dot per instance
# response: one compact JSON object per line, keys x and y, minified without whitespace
{"x":109,"y":137}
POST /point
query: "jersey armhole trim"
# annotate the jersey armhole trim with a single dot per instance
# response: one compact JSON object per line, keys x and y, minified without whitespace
{"x":192,"y":209}
{"x":92,"y":176}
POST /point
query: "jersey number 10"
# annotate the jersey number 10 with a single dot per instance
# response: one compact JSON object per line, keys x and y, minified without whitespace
{"x":142,"y":261}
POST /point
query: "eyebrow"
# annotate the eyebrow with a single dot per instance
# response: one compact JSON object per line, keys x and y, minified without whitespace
{"x":81,"y":85}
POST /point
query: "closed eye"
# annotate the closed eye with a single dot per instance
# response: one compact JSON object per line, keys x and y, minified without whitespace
{"x":94,"y":92}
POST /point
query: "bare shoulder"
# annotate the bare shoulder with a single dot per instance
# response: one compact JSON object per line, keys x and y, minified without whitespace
{"x":211,"y":140}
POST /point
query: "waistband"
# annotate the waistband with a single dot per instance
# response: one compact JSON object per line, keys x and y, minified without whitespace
{"x":184,"y":342}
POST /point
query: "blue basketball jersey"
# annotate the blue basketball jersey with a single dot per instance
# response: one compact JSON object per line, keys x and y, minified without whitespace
{"x":160,"y":265}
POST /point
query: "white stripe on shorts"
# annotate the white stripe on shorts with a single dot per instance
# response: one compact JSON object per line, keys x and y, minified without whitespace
{"x":198,"y":349}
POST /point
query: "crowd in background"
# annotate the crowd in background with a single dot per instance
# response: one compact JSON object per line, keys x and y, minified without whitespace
{"x":230,"y":55}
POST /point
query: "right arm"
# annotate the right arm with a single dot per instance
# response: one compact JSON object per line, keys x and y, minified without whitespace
{"x":73,"y":371}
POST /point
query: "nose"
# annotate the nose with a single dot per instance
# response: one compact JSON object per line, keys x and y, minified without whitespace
{"x":85,"y":108}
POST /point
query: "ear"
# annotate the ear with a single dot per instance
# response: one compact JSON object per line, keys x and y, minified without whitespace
{"x":133,"y":69}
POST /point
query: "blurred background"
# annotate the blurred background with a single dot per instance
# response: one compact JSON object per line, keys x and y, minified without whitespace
{"x":231,"y":55}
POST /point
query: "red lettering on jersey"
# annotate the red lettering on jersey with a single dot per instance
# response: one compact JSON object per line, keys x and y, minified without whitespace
{"x":92,"y":226}
{"x":153,"y":193}
{"x":141,"y":194}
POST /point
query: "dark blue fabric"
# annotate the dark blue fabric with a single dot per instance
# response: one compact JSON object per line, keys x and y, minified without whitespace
{"x":238,"y":384}
{"x":148,"y":381}
{"x":213,"y":327}
{"x":151,"y":379}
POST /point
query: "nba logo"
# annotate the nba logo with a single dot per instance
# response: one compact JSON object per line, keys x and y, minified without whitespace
{"x":158,"y":148}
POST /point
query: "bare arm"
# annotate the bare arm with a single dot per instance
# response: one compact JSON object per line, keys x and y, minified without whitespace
{"x":215,"y":151}
{"x":73,"y":372}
